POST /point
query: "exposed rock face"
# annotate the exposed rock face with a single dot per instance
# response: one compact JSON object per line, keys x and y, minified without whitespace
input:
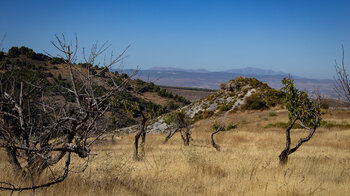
{"x":234,"y":85}
{"x":232,"y":95}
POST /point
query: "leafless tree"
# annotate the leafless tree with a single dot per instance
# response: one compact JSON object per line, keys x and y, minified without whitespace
{"x":141,"y":133}
{"x":39,"y":126}
{"x":217,"y":129}
{"x":342,"y":85}
{"x":2,"y":41}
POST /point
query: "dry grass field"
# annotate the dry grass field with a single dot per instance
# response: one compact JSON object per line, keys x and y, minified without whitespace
{"x":246,"y":165}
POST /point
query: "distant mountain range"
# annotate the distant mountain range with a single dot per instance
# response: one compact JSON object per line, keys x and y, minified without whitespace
{"x":243,"y":71}
{"x":202,"y":78}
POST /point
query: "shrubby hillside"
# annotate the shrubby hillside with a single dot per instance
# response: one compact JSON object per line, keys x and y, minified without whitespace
{"x":237,"y":94}
{"x":22,"y":63}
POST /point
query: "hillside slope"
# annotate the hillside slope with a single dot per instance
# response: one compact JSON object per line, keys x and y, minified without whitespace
{"x":23,"y":64}
{"x":240,"y":93}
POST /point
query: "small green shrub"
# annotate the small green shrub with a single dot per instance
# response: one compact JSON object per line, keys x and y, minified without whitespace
{"x":57,"y":60}
{"x":231,"y":126}
{"x":255,"y":102}
{"x":272,"y":113}
{"x":2,"y":55}
{"x":225,"y":107}
{"x":283,"y":125}
{"x":14,"y":52}
{"x":172,"y":105}
{"x":203,"y":115}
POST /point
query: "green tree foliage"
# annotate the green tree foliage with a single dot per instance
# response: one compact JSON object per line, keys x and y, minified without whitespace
{"x":172,"y":105}
{"x":255,"y":102}
{"x":14,"y":52}
{"x":179,"y":122}
{"x":178,"y":119}
{"x":302,"y":110}
{"x":2,"y":55}
{"x":299,"y":105}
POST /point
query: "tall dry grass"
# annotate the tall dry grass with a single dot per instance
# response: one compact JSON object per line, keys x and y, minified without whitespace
{"x":246,"y":165}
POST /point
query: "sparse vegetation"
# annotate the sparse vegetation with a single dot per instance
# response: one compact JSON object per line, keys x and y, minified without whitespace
{"x":272,"y":113}
{"x":194,"y":164}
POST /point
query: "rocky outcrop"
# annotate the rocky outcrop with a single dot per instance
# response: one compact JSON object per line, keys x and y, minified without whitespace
{"x":231,"y":96}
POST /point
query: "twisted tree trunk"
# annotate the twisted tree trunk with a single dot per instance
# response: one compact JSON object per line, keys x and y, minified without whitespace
{"x":140,"y":133}
{"x":216,"y":146}
{"x":171,"y":134}
{"x":283,"y":157}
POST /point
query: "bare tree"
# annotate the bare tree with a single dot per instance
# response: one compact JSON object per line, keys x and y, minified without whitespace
{"x":143,"y":112}
{"x":217,"y":129}
{"x":2,"y":41}
{"x":179,"y":122}
{"x":43,"y":121}
{"x":342,"y":85}
{"x":301,"y":110}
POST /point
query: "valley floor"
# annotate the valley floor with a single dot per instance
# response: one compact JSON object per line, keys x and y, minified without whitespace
{"x":246,"y":165}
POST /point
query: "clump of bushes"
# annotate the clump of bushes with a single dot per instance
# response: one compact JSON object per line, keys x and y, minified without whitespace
{"x":231,"y":126}
{"x":203,"y":115}
{"x":172,"y":105}
{"x":164,"y":93}
{"x":57,"y":60}
{"x":15,"y":52}
{"x":2,"y":55}
{"x":255,"y":102}
{"x":226,"y":107}
{"x":264,"y":99}
{"x":272,"y":113}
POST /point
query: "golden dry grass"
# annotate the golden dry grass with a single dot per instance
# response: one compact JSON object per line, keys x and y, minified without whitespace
{"x":246,"y":165}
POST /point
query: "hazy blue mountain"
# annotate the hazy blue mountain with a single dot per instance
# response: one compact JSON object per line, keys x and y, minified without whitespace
{"x":178,"y":69}
{"x":169,"y":76}
{"x":256,"y":71}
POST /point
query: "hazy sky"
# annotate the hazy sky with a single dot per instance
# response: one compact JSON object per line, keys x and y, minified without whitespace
{"x":299,"y":37}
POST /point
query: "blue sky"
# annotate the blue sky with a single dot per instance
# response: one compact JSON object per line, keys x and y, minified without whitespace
{"x":298,"y":37}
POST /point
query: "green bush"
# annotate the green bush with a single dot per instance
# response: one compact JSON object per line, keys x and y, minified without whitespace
{"x":57,"y":60}
{"x":13,"y":52}
{"x":156,"y":89}
{"x":203,"y":115}
{"x":255,"y":102}
{"x":272,"y":113}
{"x":231,"y":126}
{"x":225,"y":107}
{"x":172,"y":105}
{"x":2,"y":55}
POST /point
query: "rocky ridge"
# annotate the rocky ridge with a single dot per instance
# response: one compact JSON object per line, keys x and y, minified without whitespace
{"x":231,"y":96}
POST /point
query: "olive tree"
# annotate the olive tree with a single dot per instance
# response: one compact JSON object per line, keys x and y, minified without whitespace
{"x":178,"y":121}
{"x":218,"y":128}
{"x":302,"y":110}
{"x":143,"y":112}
